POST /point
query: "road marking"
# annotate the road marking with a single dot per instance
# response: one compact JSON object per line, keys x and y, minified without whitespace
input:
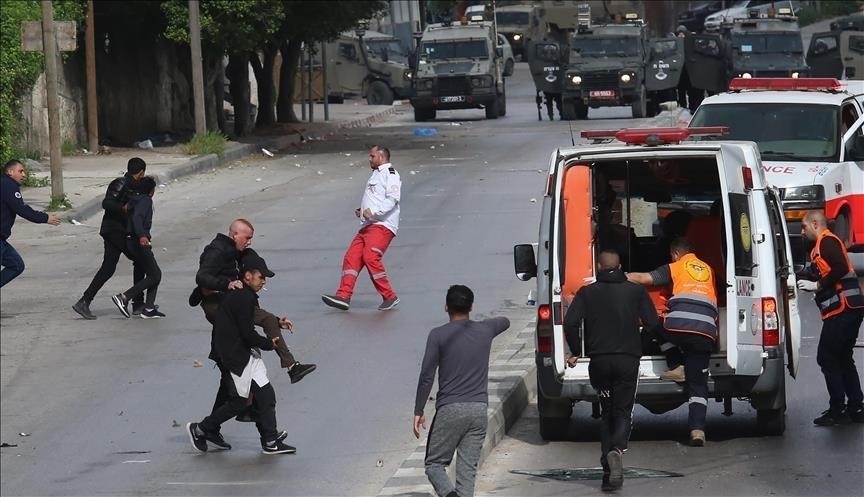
{"x":220,"y":483}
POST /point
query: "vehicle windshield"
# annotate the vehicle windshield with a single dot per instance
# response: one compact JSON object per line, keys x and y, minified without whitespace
{"x":512,"y":18}
{"x":768,"y":43}
{"x":386,"y":50}
{"x":619,"y":46}
{"x":783,"y":131}
{"x":463,"y":49}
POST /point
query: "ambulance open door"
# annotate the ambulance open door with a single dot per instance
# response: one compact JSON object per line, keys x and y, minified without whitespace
{"x":787,"y":291}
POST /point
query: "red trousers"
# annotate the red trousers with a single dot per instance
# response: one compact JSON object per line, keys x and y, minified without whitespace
{"x":367,"y":249}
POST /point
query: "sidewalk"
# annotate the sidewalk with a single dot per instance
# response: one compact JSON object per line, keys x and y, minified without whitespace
{"x":85,"y":177}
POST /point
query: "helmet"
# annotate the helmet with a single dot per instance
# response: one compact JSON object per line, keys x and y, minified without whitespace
{"x":681,"y":29}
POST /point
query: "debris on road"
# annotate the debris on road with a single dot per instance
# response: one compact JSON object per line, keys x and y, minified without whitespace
{"x":267,"y":153}
{"x":197,"y":364}
{"x":4,"y":444}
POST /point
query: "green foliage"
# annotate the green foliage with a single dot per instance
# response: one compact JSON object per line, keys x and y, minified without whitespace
{"x":59,"y":203}
{"x":211,"y":142}
{"x":226,"y":25}
{"x":69,"y":148}
{"x":319,"y":21}
{"x":31,"y":180}
{"x":835,"y":8}
{"x":19,"y":70}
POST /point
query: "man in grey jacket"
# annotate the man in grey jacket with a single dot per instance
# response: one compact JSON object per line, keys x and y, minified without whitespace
{"x":459,"y":350}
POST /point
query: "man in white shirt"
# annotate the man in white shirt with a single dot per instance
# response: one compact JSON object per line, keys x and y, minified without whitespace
{"x":379,"y":219}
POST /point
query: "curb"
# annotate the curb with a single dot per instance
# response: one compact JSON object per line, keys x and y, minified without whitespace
{"x":209,"y":162}
{"x":511,"y":385}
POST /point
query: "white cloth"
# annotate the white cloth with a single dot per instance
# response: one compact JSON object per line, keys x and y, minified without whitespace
{"x":807,"y":286}
{"x":382,"y":197}
{"x":254,"y":370}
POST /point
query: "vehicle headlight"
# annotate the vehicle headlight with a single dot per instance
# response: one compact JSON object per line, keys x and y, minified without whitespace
{"x":795,"y":74}
{"x":576,"y":79}
{"x":517,"y":37}
{"x":746,"y":75}
{"x":626,"y":78}
{"x":481,"y":82}
{"x":407,"y":75}
{"x":803,"y":197}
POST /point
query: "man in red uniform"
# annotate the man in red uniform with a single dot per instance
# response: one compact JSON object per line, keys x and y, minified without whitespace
{"x":379,"y":219}
{"x":841,"y":305}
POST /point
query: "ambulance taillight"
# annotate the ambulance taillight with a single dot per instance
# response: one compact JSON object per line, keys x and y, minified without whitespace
{"x":770,"y":323}
{"x":544,"y":329}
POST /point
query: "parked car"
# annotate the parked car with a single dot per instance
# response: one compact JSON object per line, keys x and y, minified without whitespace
{"x":509,"y":61}
{"x":694,"y":19}
{"x":742,"y":8}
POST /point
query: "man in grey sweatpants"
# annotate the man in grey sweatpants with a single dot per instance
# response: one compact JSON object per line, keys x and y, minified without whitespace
{"x":459,"y":350}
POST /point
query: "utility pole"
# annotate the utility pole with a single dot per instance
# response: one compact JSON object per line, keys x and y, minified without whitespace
{"x":49,"y":45}
{"x":197,"y":69}
{"x":92,"y":107}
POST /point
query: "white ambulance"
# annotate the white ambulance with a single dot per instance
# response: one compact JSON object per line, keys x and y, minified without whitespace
{"x":613,"y":195}
{"x":809,"y":133}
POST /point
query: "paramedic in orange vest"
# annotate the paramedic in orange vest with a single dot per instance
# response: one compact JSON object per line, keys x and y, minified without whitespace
{"x":838,"y":296}
{"x":689,"y":329}
{"x":379,"y":220}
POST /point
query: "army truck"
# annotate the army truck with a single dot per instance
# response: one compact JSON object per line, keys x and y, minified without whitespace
{"x":459,"y":66}
{"x":753,"y":47}
{"x":617,"y":64}
{"x":512,"y":22}
{"x":372,"y":65}
{"x":838,"y":53}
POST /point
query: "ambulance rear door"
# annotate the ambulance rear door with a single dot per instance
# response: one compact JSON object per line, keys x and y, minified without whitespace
{"x":743,"y":302}
{"x":787,"y":291}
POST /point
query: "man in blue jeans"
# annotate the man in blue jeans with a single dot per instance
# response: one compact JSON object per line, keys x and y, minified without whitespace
{"x":13,"y":205}
{"x":459,"y":350}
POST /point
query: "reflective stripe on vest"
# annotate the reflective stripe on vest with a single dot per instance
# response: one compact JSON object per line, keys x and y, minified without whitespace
{"x":693,"y":306}
{"x":846,"y":292}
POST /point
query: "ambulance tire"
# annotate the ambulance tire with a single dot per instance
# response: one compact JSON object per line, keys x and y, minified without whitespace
{"x":554,"y":416}
{"x":841,"y":228}
{"x":379,"y":94}
{"x":771,"y":422}
{"x":492,"y":109}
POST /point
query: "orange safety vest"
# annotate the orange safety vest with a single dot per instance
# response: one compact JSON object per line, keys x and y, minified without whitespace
{"x":846,"y":292}
{"x":693,"y":306}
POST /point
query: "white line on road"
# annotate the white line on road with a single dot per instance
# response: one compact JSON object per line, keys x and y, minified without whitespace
{"x":219,"y":483}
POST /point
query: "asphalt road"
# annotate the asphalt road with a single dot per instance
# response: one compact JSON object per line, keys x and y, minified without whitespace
{"x":102,"y":404}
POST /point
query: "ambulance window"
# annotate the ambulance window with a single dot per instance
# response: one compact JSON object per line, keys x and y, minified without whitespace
{"x":777,"y":220}
{"x":742,"y":238}
{"x":848,"y":116}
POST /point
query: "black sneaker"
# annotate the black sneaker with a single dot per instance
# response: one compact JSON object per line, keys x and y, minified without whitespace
{"x":277,"y":447}
{"x":297,"y":371}
{"x":336,"y":301}
{"x":389,"y":304}
{"x":82,"y":307}
{"x":831,"y":418}
{"x":282,"y":436}
{"x":122,"y":303}
{"x":137,"y":308}
{"x":606,"y":486}
{"x":152,"y":313}
{"x":856,"y":414}
{"x":616,"y":469}
{"x":217,"y":440}
{"x":197,"y":437}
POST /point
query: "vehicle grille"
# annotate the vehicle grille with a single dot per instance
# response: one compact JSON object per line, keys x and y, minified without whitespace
{"x":448,"y":86}
{"x":600,"y":80}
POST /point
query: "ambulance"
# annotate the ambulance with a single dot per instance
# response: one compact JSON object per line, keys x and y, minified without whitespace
{"x":809,"y":133}
{"x":614,"y":195}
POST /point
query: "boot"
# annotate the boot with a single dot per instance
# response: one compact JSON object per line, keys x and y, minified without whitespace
{"x":82,"y":307}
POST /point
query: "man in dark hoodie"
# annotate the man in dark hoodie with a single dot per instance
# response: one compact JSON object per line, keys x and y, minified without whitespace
{"x":113,"y":232}
{"x":140,"y":210}
{"x":610,"y":311}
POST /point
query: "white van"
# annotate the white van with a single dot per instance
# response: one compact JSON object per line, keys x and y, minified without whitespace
{"x":744,"y":240}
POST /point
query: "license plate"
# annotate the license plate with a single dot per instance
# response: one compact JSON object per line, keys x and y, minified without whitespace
{"x":602,"y":93}
{"x":447,"y":100}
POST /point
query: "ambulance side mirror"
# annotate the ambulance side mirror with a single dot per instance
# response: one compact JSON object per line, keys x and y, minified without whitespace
{"x":524,"y":261}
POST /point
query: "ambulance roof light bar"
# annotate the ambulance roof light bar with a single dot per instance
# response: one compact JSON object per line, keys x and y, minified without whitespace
{"x":800,"y":84}
{"x":654,"y":136}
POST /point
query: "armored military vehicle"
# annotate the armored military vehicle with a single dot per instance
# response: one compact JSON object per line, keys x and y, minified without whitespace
{"x":512,"y":22}
{"x":617,"y":64}
{"x":546,"y":47}
{"x":459,"y":66}
{"x":838,"y":53}
{"x":370,"y":64}
{"x":752,"y":47}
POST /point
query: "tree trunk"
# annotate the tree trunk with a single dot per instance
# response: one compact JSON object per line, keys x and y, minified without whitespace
{"x":214,"y":91}
{"x":266,"y":89}
{"x":290,"y":50}
{"x":238,"y":73}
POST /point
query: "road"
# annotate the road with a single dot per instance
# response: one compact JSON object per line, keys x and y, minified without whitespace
{"x":103,"y":403}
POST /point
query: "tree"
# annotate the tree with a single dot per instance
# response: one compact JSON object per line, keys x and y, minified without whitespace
{"x":307,"y":22}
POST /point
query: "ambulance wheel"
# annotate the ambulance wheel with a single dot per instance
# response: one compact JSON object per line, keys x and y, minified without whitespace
{"x":841,"y":228}
{"x":554,"y":416}
{"x":771,"y":422}
{"x":379,"y":94}
{"x":492,"y":109}
{"x":639,"y":106}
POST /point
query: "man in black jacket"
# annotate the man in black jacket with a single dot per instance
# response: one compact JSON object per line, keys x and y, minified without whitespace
{"x":13,"y":205}
{"x":113,"y":232}
{"x":236,"y":346}
{"x":612,"y":309}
